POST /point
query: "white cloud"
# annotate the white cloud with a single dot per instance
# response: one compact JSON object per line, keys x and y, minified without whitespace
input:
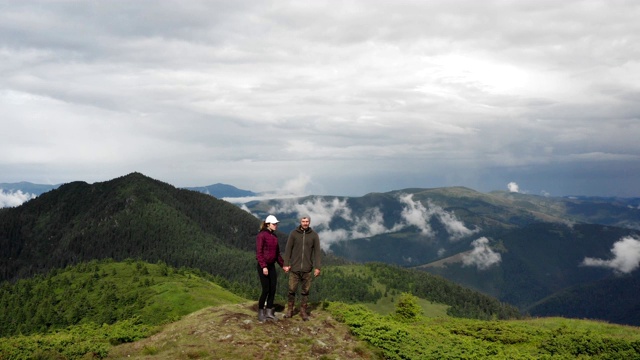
{"x":370,"y":223}
{"x":13,"y":199}
{"x":482,"y":256}
{"x":456,"y":228}
{"x":322,"y":212}
{"x":626,"y":256}
{"x":513,"y":187}
{"x":416,"y":214}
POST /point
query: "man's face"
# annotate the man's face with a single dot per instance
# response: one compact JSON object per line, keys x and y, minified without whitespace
{"x":305,"y":223}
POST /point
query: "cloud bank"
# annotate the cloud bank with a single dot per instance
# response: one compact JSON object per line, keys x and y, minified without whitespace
{"x":414,"y":214}
{"x":626,"y":256}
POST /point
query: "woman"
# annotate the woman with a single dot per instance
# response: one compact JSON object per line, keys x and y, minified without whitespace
{"x":267,"y":254}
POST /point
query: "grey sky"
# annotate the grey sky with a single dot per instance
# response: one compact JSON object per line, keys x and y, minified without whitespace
{"x":325,"y":97}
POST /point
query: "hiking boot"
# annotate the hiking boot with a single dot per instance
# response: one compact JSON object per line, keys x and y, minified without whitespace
{"x":303,"y":308}
{"x":261,"y":316}
{"x":303,"y":312}
{"x":270,"y":315}
{"x":289,"y":312}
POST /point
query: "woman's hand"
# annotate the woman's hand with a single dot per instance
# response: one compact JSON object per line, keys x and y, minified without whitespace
{"x":265,"y":271}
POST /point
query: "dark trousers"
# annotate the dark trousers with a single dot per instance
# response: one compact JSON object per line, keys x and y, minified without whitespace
{"x":302,"y":279}
{"x":269,"y":284}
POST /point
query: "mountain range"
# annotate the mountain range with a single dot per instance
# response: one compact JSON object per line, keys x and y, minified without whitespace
{"x":537,"y":253}
{"x":217,"y":190}
{"x":137,"y":217}
{"x":566,"y":256}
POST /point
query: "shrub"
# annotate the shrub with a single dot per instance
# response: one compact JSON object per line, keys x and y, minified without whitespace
{"x":407,"y":308}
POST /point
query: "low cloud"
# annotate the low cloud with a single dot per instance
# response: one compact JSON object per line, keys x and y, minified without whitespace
{"x":513,"y":187}
{"x":320,"y":210}
{"x":482,"y":256}
{"x":323,"y":211}
{"x":296,"y":186}
{"x":418,"y":215}
{"x":292,"y":189}
{"x":371,"y":222}
{"x":626,"y":256}
{"x":13,"y":199}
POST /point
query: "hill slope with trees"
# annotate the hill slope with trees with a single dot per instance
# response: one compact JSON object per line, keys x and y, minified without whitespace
{"x":133,"y":216}
{"x":136,"y":217}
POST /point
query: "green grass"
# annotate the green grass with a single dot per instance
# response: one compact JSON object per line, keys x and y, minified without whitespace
{"x":456,"y":338}
{"x":191,"y":317}
{"x":184,"y":295}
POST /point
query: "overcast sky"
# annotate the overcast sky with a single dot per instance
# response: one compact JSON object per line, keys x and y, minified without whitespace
{"x":324,"y":97}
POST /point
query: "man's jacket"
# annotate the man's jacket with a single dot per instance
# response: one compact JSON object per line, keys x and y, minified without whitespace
{"x":303,"y":251}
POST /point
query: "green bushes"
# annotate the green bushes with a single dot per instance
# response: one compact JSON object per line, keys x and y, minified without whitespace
{"x":454,"y":338}
{"x":74,"y":342}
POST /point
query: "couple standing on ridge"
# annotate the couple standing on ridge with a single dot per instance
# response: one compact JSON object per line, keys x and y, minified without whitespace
{"x":302,"y":254}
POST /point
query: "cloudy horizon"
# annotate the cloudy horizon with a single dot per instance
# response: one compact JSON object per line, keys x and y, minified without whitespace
{"x":327,"y":98}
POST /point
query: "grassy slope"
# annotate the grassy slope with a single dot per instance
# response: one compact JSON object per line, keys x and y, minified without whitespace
{"x":219,"y":324}
{"x":167,"y":294}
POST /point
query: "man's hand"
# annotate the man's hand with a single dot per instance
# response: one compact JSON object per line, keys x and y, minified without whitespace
{"x":286,"y":268}
{"x":316,"y":272}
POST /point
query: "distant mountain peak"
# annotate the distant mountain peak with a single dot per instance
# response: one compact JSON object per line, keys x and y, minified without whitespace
{"x":220,"y":190}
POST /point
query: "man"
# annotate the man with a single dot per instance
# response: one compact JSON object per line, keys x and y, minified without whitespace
{"x":302,"y":254}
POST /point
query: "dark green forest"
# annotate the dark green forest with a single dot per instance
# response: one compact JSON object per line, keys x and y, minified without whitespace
{"x":132,"y":216}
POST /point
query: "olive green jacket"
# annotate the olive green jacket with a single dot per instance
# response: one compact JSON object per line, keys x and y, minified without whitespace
{"x":303,"y":251}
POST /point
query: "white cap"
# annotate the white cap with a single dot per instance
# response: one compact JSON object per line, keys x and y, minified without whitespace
{"x":271,"y":220}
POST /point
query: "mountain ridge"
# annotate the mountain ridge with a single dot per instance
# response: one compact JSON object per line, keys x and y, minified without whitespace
{"x":519,"y":248}
{"x":137,"y":217}
{"x":531,"y":251}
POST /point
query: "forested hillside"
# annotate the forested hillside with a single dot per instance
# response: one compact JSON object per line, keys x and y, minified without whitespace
{"x":129,"y":217}
{"x":136,"y":217}
{"x":614,"y":299}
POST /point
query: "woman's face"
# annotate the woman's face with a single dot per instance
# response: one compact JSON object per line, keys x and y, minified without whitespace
{"x":273,"y":226}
